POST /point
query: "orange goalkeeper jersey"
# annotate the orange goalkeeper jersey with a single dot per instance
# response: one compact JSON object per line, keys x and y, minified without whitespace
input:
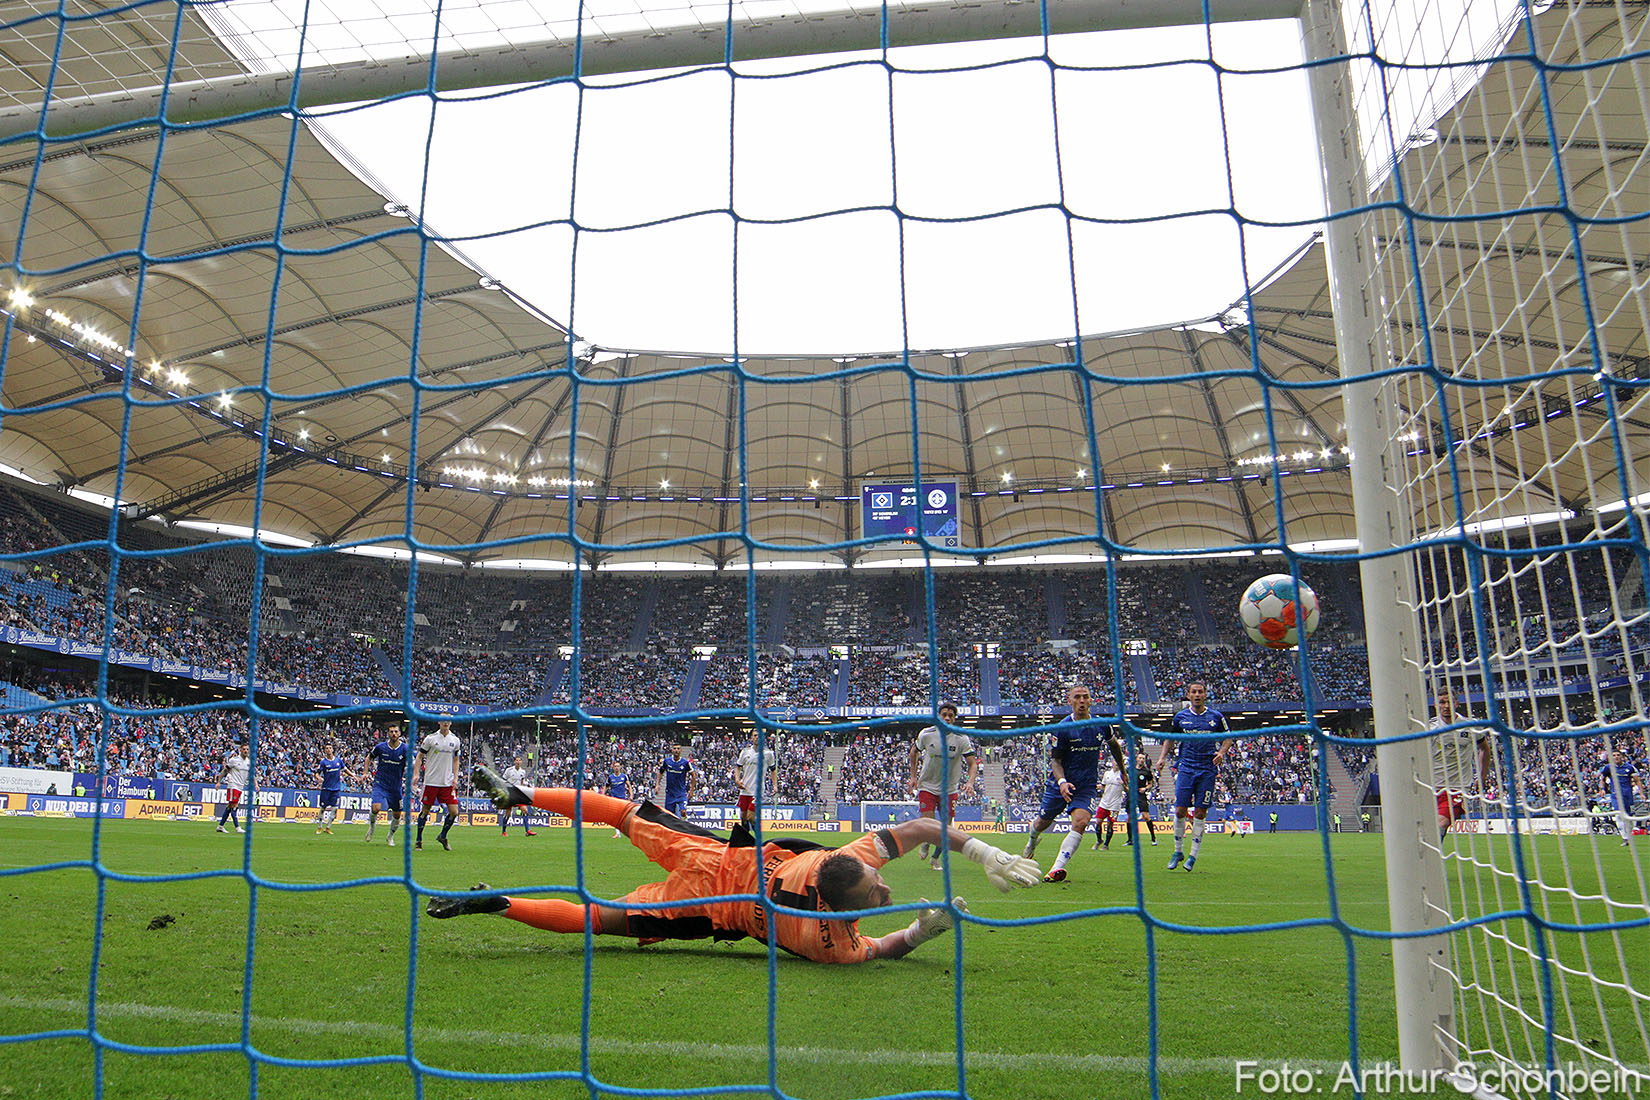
{"x":702,"y":867}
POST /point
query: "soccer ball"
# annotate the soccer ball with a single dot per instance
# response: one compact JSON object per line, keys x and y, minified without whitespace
{"x":1277,"y":613}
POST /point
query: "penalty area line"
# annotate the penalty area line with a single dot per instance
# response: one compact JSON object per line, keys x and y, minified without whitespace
{"x":740,"y":1052}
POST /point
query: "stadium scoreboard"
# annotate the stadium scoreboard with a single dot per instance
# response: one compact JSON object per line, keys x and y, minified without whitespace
{"x":894,"y":509}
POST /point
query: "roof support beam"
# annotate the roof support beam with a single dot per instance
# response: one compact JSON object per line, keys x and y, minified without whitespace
{"x":424,"y":466}
{"x":532,"y":448}
{"x":848,"y":554}
{"x":1433,"y":428}
{"x":320,"y":402}
{"x":1219,"y":424}
{"x":596,"y":557}
{"x":1240,"y":338}
{"x":214,"y":488}
{"x":964,"y":421}
{"x":1108,"y":518}
{"x":730,"y":438}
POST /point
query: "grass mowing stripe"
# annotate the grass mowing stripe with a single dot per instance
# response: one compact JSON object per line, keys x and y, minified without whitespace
{"x":733,"y":1051}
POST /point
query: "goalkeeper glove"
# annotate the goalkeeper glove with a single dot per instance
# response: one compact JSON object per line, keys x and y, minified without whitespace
{"x":1002,"y":870}
{"x":932,"y":922}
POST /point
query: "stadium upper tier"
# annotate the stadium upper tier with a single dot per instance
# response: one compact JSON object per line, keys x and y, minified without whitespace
{"x":339,"y":623}
{"x":370,"y":360}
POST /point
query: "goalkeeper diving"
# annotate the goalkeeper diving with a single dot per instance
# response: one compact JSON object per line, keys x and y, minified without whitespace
{"x":799,"y":874}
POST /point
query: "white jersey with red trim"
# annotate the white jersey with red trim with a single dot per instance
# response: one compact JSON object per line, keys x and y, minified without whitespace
{"x":1114,"y":785}
{"x":440,"y":758}
{"x":943,"y":759}
{"x":1455,"y":757}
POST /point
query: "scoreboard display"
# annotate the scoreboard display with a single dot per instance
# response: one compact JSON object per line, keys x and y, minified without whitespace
{"x":897,"y":510}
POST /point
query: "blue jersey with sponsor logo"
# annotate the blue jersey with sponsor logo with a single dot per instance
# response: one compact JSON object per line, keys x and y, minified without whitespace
{"x":1077,"y":748}
{"x":1620,"y":778}
{"x":618,"y":784}
{"x":1199,"y":755}
{"x":332,"y":775}
{"x":391,"y":765}
{"x":676,"y":777}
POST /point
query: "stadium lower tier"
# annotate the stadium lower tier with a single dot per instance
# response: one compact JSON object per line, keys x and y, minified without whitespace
{"x":43,"y":793}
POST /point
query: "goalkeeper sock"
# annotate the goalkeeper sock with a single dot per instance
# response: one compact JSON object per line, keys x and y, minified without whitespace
{"x":1067,"y":847}
{"x":1179,"y":834}
{"x":552,"y":914}
{"x":1197,"y":836}
{"x":600,"y":808}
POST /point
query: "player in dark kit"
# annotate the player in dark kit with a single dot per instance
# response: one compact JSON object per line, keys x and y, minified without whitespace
{"x":332,"y":785}
{"x":1622,"y":778}
{"x":678,"y":773}
{"x":1073,"y":777}
{"x":1145,"y":785}
{"x":1198,"y":765}
{"x":388,"y":762}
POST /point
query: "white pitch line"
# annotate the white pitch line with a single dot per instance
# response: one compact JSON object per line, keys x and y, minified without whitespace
{"x":815,"y":1055}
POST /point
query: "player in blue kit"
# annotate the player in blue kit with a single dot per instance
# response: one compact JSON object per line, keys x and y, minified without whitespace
{"x":332,"y":785}
{"x":388,"y":759}
{"x":1073,"y":777}
{"x":1198,"y":765}
{"x":1623,"y":780}
{"x":618,"y":786}
{"x":678,"y":774}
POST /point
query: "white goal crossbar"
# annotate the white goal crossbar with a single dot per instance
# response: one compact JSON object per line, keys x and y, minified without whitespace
{"x":798,"y":35}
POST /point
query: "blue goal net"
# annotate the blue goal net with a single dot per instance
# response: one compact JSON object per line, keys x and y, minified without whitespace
{"x":755,"y":378}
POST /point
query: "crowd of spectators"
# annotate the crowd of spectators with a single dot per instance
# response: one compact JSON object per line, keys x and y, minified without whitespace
{"x":552,"y":759}
{"x":901,"y":678}
{"x":1040,"y":679}
{"x":1256,"y":674}
{"x":493,"y":679}
{"x":625,"y":680}
{"x":187,"y":747}
{"x":491,"y":638}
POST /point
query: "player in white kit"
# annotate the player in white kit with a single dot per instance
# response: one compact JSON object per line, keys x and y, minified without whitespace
{"x":237,"y":776}
{"x":747,"y":770}
{"x":938,"y":761}
{"x":1114,"y":786}
{"x":438,"y":761}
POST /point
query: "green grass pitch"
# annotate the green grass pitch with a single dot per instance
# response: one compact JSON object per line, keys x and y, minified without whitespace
{"x":1050,"y":1010}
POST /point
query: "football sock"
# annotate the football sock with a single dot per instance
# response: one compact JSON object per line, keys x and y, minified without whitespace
{"x":422,"y":818}
{"x":552,"y":914}
{"x":1179,"y":834}
{"x":601,"y":808}
{"x":1197,"y":836}
{"x":1031,"y":842}
{"x":447,"y":823}
{"x":372,"y":823}
{"x":1110,"y":828}
{"x":395,"y":823}
{"x":1067,"y":847}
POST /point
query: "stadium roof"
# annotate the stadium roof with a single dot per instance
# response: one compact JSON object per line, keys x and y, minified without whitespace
{"x":663,"y":463}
